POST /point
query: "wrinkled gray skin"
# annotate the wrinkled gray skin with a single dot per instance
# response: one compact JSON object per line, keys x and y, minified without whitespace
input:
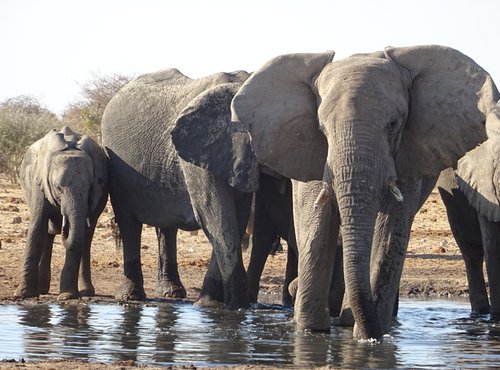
{"x":64,"y":181}
{"x":472,"y":199}
{"x":370,"y":126}
{"x":150,"y":183}
{"x":272,"y":219}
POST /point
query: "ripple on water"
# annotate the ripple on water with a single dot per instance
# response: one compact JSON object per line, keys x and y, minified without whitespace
{"x":427,"y":333}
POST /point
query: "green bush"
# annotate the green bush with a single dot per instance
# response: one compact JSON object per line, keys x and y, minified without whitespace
{"x":23,"y":120}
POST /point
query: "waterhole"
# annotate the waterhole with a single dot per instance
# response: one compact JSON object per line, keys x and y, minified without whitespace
{"x":427,"y":333}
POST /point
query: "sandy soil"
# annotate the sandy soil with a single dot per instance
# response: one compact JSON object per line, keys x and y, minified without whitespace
{"x":433,"y":266}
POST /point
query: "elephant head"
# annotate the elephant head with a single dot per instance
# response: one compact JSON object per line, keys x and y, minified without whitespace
{"x":73,"y":175}
{"x":364,"y":124}
{"x":478,"y":172}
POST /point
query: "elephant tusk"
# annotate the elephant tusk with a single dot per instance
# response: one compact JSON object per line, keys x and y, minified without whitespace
{"x":64,"y":222}
{"x":393,"y":188}
{"x":88,"y":222}
{"x":322,"y":198}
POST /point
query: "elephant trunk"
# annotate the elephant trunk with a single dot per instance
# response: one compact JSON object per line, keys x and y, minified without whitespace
{"x":74,"y":208}
{"x":360,"y":173}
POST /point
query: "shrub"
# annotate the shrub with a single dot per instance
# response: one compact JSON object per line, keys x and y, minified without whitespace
{"x":23,"y":120}
{"x":85,"y":114}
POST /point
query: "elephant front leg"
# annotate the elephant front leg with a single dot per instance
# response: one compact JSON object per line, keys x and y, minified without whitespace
{"x":85,"y":286}
{"x":317,"y":227}
{"x":223,"y":213}
{"x":491,"y":242}
{"x":36,"y":241}
{"x":68,"y":288}
{"x":169,"y":281}
{"x":44,"y":270}
{"x":132,"y":287}
{"x":390,"y":242}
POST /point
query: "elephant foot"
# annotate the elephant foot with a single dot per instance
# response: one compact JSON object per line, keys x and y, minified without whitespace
{"x":481,"y":309}
{"x":87,"y":292}
{"x":287,"y":300}
{"x":130,"y":292}
{"x":43,"y":286}
{"x":346,"y":318}
{"x":206,"y":301}
{"x":65,"y":296}
{"x":171,"y":289}
{"x":24,"y":292}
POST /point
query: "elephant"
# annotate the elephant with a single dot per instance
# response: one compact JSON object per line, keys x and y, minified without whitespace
{"x":471,"y":197}
{"x":148,"y":129}
{"x":64,"y":182}
{"x":272,"y":219}
{"x":372,"y":127}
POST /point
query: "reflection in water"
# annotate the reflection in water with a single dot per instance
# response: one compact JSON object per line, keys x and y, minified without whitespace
{"x":427,"y":334}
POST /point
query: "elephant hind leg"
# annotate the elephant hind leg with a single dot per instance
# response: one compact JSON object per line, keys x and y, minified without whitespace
{"x":169,"y":281}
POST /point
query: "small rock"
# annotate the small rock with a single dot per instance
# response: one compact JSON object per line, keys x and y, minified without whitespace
{"x":145,"y":247}
{"x":17,"y":220}
{"x":423,"y":210}
{"x":439,"y":250}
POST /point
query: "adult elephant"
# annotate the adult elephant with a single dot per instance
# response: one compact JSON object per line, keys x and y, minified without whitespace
{"x":64,"y":181}
{"x":370,"y":126}
{"x":472,"y":199}
{"x":150,"y":183}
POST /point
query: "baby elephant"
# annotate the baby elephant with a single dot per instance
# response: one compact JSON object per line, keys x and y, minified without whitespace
{"x":64,"y":182}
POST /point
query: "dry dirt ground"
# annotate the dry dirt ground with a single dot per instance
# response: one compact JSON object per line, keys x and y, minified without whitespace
{"x":433,"y":266}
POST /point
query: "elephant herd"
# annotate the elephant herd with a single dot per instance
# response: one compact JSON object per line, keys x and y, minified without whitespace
{"x":340,"y":155}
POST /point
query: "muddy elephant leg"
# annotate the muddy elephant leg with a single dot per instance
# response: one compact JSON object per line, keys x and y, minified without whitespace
{"x":264,"y":234}
{"x":491,"y":242}
{"x":169,"y":281}
{"x":212,"y":291}
{"x":44,"y":269}
{"x":466,"y":229}
{"x":132,"y":287}
{"x":36,"y":242}
{"x":317,"y":227}
{"x":223,"y":212}
{"x":390,"y":242}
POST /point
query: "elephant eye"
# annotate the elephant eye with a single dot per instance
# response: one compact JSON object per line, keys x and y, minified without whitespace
{"x":393,"y":125}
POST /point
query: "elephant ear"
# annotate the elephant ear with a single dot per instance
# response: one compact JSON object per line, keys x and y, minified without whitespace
{"x":278,"y":104}
{"x":100,"y":183}
{"x":450,"y":96}
{"x":478,"y":176}
{"x":53,"y":142}
{"x":493,"y":122}
{"x":205,"y":136}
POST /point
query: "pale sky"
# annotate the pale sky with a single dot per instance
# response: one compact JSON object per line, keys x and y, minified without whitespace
{"x":48,"y":47}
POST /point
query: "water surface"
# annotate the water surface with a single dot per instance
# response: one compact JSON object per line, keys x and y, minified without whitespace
{"x":428,"y":333}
